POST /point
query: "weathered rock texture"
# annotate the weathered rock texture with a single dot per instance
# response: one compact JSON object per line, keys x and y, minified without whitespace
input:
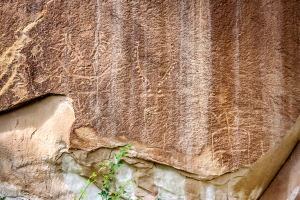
{"x":32,"y":139}
{"x":286,"y":184}
{"x":37,"y":163}
{"x":204,"y":86}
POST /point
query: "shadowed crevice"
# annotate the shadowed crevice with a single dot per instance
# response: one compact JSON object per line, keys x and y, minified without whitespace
{"x":28,"y":102}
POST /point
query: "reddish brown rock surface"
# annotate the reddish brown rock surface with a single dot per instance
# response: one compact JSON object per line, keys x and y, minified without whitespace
{"x":204,"y":86}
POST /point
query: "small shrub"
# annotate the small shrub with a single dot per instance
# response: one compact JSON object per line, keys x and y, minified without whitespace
{"x":109,"y":179}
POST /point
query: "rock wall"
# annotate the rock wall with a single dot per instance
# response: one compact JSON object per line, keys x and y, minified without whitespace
{"x":287,"y":181}
{"x":207,"y":89}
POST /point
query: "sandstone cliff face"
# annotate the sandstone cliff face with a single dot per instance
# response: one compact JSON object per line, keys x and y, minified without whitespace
{"x":286,"y":183}
{"x":206,"y":87}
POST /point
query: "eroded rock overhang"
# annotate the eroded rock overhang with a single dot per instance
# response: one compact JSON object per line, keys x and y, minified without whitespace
{"x":207,"y":87}
{"x":38,"y":163}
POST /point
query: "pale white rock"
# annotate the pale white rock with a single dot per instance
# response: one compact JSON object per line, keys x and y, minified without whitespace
{"x":294,"y":194}
{"x":210,"y":193}
{"x":76,"y":183}
{"x":69,"y":165}
{"x":9,"y":190}
{"x":170,"y":182}
{"x":124,"y":174}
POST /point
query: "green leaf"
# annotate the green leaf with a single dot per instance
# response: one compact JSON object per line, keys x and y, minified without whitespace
{"x":108,"y":181}
{"x":113,"y":179}
{"x":93,"y":175}
{"x":102,"y":168}
{"x":106,"y":176}
{"x":104,"y":194}
{"x":118,"y":157}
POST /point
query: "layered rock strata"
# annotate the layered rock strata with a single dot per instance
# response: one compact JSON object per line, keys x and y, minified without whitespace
{"x":38,"y":163}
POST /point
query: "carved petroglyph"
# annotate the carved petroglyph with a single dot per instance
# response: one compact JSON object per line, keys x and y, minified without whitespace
{"x":11,"y":59}
{"x":182,"y":81}
{"x":36,"y":52}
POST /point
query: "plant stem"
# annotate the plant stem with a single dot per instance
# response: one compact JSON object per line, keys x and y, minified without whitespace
{"x":85,"y":189}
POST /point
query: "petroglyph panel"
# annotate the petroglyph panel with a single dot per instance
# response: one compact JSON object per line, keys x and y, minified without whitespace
{"x":204,"y":86}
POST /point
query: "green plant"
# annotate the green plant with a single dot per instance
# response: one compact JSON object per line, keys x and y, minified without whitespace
{"x":109,"y":178}
{"x":2,"y":198}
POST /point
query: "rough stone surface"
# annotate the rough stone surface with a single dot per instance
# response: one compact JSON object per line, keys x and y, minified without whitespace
{"x":32,"y":138}
{"x":179,"y":79}
{"x":206,"y":87}
{"x":38,"y":163}
{"x":287,"y":182}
